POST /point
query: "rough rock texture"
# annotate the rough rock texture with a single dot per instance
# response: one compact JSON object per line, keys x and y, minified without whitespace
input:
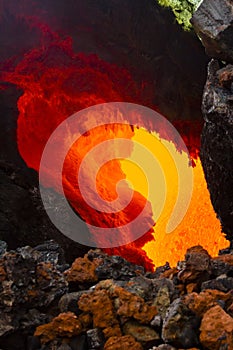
{"x":143,"y":334}
{"x":82,"y":271}
{"x":197,"y":265}
{"x":200,"y":303}
{"x":114,"y":267}
{"x":217,"y":141}
{"x":217,"y":329}
{"x":100,"y":306}
{"x":213,"y":21}
{"x":126,"y":342}
{"x":180,"y":326}
{"x":31,"y":281}
{"x":128,"y":304}
{"x":66,"y":324}
{"x":39,"y":311}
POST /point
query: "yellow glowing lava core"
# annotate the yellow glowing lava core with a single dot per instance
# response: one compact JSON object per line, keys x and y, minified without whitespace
{"x":200,"y":224}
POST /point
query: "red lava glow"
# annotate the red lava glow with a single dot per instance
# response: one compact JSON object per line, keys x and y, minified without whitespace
{"x":56,"y":83}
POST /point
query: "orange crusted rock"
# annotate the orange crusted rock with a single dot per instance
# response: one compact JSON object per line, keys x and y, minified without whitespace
{"x":82,"y":271}
{"x":127,"y":342}
{"x":200,"y":303}
{"x":64,"y":325}
{"x":112,"y":332}
{"x":85,"y":319}
{"x":128,"y":304}
{"x":217,"y":329}
{"x":99,"y":304}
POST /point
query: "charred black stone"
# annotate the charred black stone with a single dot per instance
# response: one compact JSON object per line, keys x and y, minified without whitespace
{"x":224,"y":284}
{"x":219,"y":267}
{"x":159,"y":270}
{"x":217,"y":143}
{"x":115,"y":267}
{"x":213,"y":21}
{"x":69,"y":302}
{"x":27,"y":284}
{"x":180,"y":326}
{"x":95,"y":339}
{"x":50,"y":251}
{"x":79,"y":343}
{"x":23,"y":220}
{"x":141,"y":286}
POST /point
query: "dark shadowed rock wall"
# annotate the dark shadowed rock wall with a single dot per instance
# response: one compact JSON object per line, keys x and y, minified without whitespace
{"x":213,"y":21}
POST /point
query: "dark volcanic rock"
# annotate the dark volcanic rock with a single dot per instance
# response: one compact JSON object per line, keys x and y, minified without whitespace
{"x":219,"y":267}
{"x":79,"y":342}
{"x":224,"y":284}
{"x":114,"y":267}
{"x":23,"y":220}
{"x":196,"y":266}
{"x":217,"y":142}
{"x":180,"y":327}
{"x":95,"y":338}
{"x":69,"y":302}
{"x":213,"y":22}
{"x":27,"y":284}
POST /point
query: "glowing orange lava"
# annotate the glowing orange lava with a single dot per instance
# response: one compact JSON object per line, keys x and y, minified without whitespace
{"x":51,"y":93}
{"x":200,"y":224}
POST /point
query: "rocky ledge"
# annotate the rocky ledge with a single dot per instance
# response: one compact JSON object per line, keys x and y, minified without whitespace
{"x":105,"y":302}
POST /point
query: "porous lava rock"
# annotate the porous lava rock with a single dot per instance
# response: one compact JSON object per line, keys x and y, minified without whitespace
{"x":28,"y":282}
{"x":100,"y":306}
{"x":128,"y":304}
{"x":82,"y":271}
{"x":65,"y":324}
{"x":202,"y":302}
{"x":125,"y":342}
{"x":216,"y":329}
{"x":38,"y":308}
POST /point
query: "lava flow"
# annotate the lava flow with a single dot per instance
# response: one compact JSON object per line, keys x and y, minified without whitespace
{"x":53,"y":90}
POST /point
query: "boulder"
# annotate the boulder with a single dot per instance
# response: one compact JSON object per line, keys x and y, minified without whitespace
{"x":213,"y":22}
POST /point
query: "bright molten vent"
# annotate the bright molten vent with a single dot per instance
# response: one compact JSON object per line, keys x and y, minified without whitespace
{"x":52,"y":92}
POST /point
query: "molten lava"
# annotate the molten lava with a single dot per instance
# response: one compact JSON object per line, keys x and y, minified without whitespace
{"x":56,"y":82}
{"x":200,"y":224}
